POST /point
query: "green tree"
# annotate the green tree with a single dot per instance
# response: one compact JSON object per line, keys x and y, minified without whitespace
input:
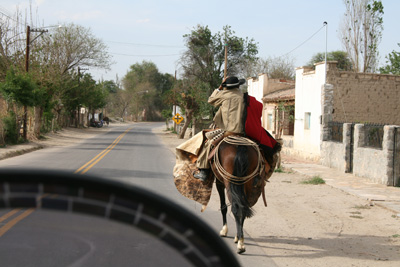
{"x":203,"y":65}
{"x":204,"y":58}
{"x":92,"y":95}
{"x":167,"y":115}
{"x":19,"y":87}
{"x":392,"y":63}
{"x":147,"y":85}
{"x":72,"y":95}
{"x":341,"y":57}
{"x":110,"y":86}
{"x":190,"y":96}
{"x":122,"y":102}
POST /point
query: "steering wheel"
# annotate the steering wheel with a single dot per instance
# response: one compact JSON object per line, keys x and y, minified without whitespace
{"x":124,"y":203}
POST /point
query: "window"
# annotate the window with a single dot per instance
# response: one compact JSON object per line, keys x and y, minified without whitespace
{"x":269,"y":122}
{"x":307,"y":120}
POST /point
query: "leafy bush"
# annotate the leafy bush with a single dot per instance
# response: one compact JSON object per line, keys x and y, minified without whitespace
{"x":10,"y":128}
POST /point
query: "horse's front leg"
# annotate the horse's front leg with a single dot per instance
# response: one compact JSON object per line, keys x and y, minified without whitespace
{"x":223,"y":207}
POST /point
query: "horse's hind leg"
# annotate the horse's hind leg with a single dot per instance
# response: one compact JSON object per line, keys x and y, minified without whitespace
{"x":224,"y":208}
{"x":240,"y":210}
{"x":239,"y":238}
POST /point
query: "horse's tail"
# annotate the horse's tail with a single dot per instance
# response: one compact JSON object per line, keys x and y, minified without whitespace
{"x":240,"y":204}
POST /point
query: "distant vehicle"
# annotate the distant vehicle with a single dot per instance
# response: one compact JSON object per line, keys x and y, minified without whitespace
{"x":97,"y":124}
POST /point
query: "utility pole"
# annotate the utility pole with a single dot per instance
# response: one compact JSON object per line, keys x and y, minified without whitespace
{"x":28,"y":43}
{"x":226,"y":60}
{"x":174,"y":105}
{"x":28,"y":34}
{"x":326,"y":48}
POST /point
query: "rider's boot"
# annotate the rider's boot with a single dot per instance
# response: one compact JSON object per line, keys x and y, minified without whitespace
{"x":202,"y":174}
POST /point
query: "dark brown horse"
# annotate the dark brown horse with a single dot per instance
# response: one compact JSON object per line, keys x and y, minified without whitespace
{"x":239,"y":167}
{"x":106,"y":120}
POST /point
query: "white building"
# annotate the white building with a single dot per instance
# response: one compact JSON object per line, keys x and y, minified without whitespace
{"x":307,"y":127}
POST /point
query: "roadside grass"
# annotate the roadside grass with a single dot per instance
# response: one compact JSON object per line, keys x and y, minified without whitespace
{"x":316,"y":180}
{"x":355,"y":212}
{"x":43,"y":137}
{"x":283,"y":170}
{"x":357,"y":217}
{"x":362,"y":207}
{"x":396,"y":236}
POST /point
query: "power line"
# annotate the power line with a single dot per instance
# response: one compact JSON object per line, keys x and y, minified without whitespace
{"x":304,"y":41}
{"x":4,"y":12}
{"x":145,"y":55}
{"x":136,"y":44}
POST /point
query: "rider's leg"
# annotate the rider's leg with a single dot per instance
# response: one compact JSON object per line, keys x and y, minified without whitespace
{"x":202,"y":162}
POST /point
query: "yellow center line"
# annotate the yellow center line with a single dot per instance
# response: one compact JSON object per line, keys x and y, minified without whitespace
{"x":14,"y":221}
{"x":101,"y":155}
{"x":9,"y":214}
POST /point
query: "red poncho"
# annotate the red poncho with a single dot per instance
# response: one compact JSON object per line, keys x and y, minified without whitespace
{"x":253,"y":127}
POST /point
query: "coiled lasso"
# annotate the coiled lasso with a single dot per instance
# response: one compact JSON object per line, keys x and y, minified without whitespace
{"x":238,"y":140}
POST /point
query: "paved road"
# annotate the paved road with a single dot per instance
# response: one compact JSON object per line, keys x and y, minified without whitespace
{"x":131,"y":154}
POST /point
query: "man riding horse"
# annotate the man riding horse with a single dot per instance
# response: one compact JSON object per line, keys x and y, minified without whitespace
{"x":239,"y":114}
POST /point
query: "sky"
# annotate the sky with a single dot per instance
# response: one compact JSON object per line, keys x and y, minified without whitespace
{"x":152,"y":30}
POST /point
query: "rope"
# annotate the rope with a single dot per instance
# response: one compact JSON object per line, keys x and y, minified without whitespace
{"x":237,"y":140}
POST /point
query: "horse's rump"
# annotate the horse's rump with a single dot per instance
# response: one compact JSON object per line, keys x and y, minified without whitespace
{"x":249,"y":169}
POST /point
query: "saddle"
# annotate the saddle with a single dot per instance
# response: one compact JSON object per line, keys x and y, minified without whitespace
{"x":216,"y":136}
{"x":216,"y":139}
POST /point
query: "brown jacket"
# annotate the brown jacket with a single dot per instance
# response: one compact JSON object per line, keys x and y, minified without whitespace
{"x":230,"y":114}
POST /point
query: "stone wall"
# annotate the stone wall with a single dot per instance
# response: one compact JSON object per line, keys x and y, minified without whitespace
{"x":338,"y":154}
{"x":364,"y":97}
{"x":369,"y":162}
{"x":378,"y":165}
{"x":332,"y":155}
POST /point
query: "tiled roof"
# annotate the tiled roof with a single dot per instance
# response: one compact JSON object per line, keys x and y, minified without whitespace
{"x":281,"y":95}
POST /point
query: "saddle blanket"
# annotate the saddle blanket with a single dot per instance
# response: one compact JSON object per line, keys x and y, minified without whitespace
{"x":185,"y":183}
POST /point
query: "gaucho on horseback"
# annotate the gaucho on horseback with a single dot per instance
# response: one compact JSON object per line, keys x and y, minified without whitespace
{"x":242,"y":154}
{"x":239,"y":114}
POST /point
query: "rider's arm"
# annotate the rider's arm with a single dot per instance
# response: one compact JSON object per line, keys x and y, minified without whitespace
{"x":216,"y":98}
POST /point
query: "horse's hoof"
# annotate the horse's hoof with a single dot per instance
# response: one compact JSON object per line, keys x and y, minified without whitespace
{"x":241,"y":250}
{"x":224,"y":231}
{"x":236,"y":239}
{"x":240,"y":246}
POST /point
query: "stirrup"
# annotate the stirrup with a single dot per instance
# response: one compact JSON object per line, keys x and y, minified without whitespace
{"x":202,"y":175}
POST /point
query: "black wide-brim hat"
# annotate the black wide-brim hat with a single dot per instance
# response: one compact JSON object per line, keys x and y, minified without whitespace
{"x":233,"y":82}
